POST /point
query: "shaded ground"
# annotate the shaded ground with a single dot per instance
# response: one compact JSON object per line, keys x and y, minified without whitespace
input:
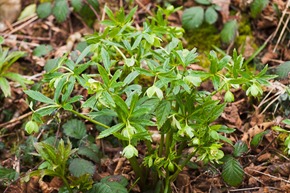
{"x":267,"y":167}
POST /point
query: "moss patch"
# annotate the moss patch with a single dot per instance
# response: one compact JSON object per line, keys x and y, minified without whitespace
{"x":203,"y":39}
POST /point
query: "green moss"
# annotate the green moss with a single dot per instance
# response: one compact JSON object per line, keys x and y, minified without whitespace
{"x":203,"y":39}
{"x":245,"y":26}
{"x":245,"y":31}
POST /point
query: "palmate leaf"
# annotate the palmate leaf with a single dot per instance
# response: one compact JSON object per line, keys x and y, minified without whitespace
{"x":233,"y":172}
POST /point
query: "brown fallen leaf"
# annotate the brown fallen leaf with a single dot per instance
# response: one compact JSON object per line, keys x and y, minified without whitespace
{"x":264,"y":157}
{"x":231,"y":115}
{"x":225,"y":11}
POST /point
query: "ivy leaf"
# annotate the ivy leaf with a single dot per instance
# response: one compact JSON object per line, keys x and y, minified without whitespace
{"x":42,"y":50}
{"x":228,"y":33}
{"x":192,"y":18}
{"x":75,"y":128}
{"x":60,"y":10}
{"x":233,"y":172}
{"x":79,"y":167}
{"x":211,"y":15}
{"x":239,"y":148}
{"x":37,"y":96}
{"x":44,"y":10}
{"x":257,"y":7}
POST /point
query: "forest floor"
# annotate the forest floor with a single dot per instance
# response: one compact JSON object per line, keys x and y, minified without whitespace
{"x":267,"y":166}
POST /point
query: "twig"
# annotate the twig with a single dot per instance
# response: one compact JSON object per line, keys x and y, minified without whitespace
{"x":15,"y":120}
{"x":21,"y":42}
{"x":271,"y":176}
{"x":144,"y":8}
{"x":282,"y":32}
{"x":18,"y":36}
{"x":279,"y":24}
{"x":256,"y":157}
{"x":21,"y":26}
{"x":92,"y":8}
{"x":253,"y":188}
{"x":245,"y":189}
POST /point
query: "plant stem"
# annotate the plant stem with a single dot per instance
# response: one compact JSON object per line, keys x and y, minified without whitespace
{"x":138,"y":171}
{"x":168,"y":143}
{"x":174,"y":176}
{"x":149,"y":147}
{"x":66,"y":184}
{"x":167,"y":188}
{"x":89,"y":119}
{"x":181,"y":147}
{"x":161,"y":145}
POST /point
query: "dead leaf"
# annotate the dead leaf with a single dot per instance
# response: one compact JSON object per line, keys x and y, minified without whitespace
{"x":183,"y":182}
{"x":231,"y":115}
{"x":224,"y":5}
{"x":247,"y":48}
{"x":264,"y":157}
{"x":282,"y":169}
{"x":257,"y":118}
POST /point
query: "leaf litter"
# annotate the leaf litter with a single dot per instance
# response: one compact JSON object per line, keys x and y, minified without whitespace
{"x":267,"y":172}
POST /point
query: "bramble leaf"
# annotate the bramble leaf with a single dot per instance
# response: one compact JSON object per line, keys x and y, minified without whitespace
{"x":229,"y":31}
{"x":257,"y":7}
{"x":211,"y":15}
{"x":44,"y":10}
{"x":233,"y":172}
{"x":60,"y":10}
{"x":79,"y":167}
{"x":75,"y":128}
{"x":192,"y":18}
